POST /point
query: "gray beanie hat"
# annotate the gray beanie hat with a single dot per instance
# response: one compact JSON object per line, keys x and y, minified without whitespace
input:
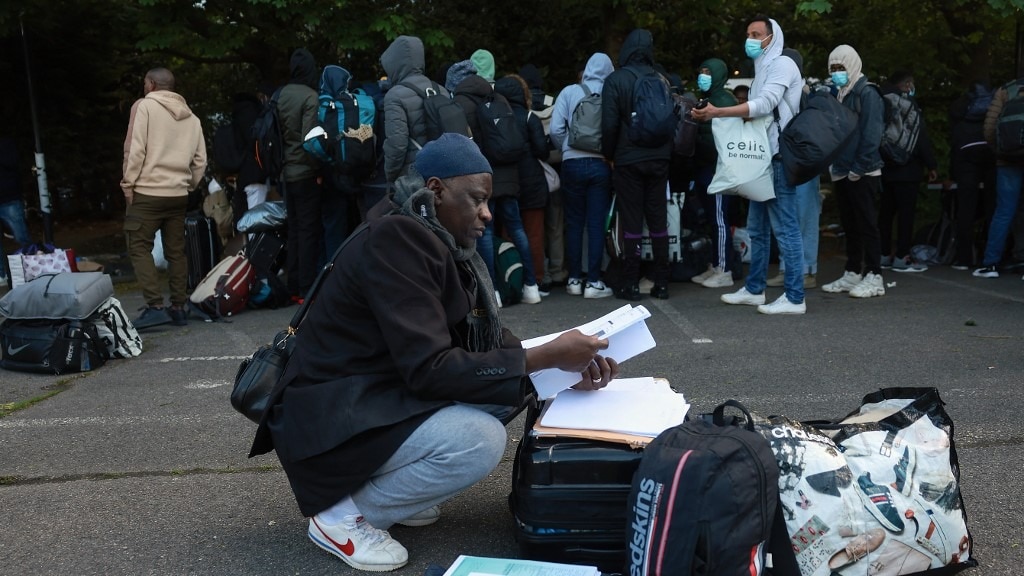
{"x":449,"y":156}
{"x":457,"y":73}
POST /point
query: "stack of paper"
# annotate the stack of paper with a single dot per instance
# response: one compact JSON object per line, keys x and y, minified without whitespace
{"x":627,"y":335}
{"x":638,"y":406}
{"x":478,"y":566}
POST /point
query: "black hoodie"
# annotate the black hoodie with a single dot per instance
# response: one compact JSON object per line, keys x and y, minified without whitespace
{"x":297,"y":110}
{"x":533,"y":185}
{"x":635,"y":58}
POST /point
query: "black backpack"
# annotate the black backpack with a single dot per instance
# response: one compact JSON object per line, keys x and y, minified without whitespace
{"x":268,"y":139}
{"x":442,"y":113}
{"x":653,"y":121}
{"x":703,"y":500}
{"x":1010,"y":125}
{"x":684,"y":141}
{"x":501,"y":141}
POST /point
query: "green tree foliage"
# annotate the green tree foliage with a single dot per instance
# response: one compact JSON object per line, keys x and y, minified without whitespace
{"x":89,"y":56}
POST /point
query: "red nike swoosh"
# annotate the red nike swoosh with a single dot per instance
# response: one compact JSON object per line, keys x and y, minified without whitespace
{"x":348,"y":548}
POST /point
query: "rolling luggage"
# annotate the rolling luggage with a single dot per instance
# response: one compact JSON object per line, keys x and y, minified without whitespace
{"x":569,"y":498}
{"x":202,"y":247}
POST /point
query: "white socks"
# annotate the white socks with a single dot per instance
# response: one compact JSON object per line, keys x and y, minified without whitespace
{"x":335,"y":514}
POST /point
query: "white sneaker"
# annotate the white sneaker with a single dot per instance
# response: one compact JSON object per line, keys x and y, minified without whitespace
{"x":497,"y":298}
{"x":531,"y":294}
{"x":700,"y":278}
{"x":871,"y":285}
{"x":645,"y":285}
{"x":719,"y":279}
{"x":782,"y":306}
{"x":597,"y":290}
{"x":424,"y":518}
{"x":844,"y":284}
{"x":741,"y":296}
{"x":574,"y":287}
{"x":358,"y":544}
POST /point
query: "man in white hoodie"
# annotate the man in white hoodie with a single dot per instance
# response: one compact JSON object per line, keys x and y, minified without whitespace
{"x":164,"y":158}
{"x":775,"y":91}
{"x":586,"y":185}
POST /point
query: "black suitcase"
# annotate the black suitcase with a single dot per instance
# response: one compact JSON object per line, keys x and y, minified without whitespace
{"x":202,"y":247}
{"x":569,"y":498}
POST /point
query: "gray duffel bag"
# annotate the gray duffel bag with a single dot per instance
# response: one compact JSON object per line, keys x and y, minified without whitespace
{"x":71,"y":295}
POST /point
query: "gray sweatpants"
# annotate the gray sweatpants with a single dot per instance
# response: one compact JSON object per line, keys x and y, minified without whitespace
{"x":455,"y":448}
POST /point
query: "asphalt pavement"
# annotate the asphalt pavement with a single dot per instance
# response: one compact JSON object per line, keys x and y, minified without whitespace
{"x":140,"y":467}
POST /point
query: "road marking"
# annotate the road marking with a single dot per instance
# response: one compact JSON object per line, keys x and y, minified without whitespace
{"x":201,"y":358}
{"x":960,"y":285}
{"x":681,"y":322}
{"x":204,"y":384}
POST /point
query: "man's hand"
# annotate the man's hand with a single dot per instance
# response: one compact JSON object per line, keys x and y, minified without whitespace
{"x":704,"y":114}
{"x":128,"y":195}
{"x":598,"y":374}
{"x":574,"y":351}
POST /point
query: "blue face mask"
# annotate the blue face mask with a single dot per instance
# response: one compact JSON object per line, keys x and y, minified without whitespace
{"x":753,"y":48}
{"x":840,"y":78}
{"x":704,"y":82}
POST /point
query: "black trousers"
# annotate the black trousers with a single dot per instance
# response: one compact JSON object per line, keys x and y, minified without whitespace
{"x":304,"y":203}
{"x":860,"y":223}
{"x":973,"y":167}
{"x":899,"y":203}
{"x":640,"y":190}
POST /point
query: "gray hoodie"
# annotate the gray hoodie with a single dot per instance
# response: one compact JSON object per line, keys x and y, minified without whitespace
{"x":777,"y":84}
{"x":599,"y":66}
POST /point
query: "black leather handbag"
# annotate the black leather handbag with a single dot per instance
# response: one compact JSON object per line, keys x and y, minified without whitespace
{"x":258,"y":374}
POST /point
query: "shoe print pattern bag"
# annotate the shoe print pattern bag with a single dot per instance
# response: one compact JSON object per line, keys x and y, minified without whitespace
{"x":744,"y":158}
{"x":874,"y":494}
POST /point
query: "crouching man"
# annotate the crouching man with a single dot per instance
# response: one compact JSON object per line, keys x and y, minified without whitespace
{"x":387,"y":406}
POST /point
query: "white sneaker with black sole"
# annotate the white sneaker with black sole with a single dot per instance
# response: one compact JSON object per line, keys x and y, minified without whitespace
{"x":574,"y":287}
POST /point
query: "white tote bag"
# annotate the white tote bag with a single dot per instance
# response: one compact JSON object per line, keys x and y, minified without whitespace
{"x":744,"y":158}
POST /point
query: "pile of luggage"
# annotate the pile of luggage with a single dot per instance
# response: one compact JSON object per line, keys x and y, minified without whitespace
{"x":64,"y":323}
{"x":875,"y":492}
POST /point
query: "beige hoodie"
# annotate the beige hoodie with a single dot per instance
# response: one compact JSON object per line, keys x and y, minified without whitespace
{"x":164,"y":151}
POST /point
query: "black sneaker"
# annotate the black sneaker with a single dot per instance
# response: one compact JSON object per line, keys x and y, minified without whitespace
{"x":151,"y":317}
{"x":630,"y":293}
{"x":179,"y":316}
{"x":986,"y":272}
{"x":878,"y":501}
{"x":659,"y":291}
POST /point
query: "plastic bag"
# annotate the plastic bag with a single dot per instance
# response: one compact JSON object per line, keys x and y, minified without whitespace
{"x":266,"y":216}
{"x":744,"y":158}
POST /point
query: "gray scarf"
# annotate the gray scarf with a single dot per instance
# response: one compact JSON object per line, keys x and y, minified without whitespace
{"x":416,"y":201}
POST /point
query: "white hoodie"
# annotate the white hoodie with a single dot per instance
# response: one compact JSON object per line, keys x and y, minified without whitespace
{"x":777,"y":83}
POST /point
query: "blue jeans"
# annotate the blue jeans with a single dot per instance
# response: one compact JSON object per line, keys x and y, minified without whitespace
{"x":779,"y":215}
{"x":1008,"y":184}
{"x":453,"y":449}
{"x":808,"y":205}
{"x":507,"y":209}
{"x":13,"y":215}
{"x":586,"y":183}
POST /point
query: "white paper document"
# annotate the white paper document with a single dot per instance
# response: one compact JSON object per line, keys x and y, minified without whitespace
{"x":478,"y":566}
{"x":627,"y":335}
{"x":632,"y":406}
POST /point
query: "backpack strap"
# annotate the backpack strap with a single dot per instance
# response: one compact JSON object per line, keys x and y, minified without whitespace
{"x":586,"y":90}
{"x":423,"y":94}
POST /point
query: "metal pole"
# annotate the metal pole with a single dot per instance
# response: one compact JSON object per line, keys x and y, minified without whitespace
{"x":40,"y":166}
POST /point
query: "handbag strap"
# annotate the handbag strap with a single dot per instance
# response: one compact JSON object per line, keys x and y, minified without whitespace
{"x":300,"y":314}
